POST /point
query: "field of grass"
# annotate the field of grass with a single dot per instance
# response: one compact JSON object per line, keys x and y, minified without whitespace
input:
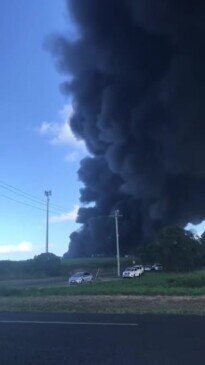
{"x":149,"y":284}
{"x":152,"y":293}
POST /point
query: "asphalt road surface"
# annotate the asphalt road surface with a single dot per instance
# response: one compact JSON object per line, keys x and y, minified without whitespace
{"x":74,"y":339}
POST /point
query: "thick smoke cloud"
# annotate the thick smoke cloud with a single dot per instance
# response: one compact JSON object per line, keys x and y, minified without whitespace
{"x":136,"y":75}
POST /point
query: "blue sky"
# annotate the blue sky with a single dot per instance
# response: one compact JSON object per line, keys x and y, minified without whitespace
{"x":37,"y":151}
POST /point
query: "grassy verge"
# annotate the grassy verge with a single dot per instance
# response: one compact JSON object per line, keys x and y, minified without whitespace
{"x":152,"y":293}
{"x":150,"y":284}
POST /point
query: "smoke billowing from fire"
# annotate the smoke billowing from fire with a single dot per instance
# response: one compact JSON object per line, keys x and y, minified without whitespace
{"x":138,"y":90}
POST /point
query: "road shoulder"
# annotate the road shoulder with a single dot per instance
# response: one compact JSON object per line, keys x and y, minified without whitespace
{"x":106,"y":304}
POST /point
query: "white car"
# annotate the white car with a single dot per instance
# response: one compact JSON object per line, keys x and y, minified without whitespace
{"x":131,"y":272}
{"x":80,"y":278}
{"x":140,"y":268}
{"x":157,"y":267}
{"x":147,"y":268}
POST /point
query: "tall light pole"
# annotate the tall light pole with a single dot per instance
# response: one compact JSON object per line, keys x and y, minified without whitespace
{"x":116,"y":216}
{"x":47,"y":194}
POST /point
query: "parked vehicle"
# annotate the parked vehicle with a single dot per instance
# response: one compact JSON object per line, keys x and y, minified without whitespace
{"x":131,"y":272}
{"x":140,"y":268}
{"x":147,"y":268}
{"x":157,"y":267}
{"x":80,"y":278}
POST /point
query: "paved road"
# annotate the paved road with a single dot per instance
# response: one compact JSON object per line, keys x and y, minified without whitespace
{"x":47,"y":339}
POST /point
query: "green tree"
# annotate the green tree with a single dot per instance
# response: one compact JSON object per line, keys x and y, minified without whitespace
{"x":47,"y":264}
{"x":176,"y":249}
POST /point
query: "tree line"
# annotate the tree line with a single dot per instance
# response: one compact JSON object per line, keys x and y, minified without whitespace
{"x":176,"y":249}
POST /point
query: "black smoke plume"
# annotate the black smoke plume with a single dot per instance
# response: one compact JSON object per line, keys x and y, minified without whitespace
{"x":136,"y":75}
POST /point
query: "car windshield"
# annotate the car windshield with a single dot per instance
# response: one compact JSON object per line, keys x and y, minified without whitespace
{"x":128,"y":269}
{"x":78,"y":274}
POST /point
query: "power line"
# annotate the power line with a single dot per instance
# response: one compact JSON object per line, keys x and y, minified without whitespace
{"x":23,"y":195}
{"x":28,"y":196}
{"x":27,"y":204}
{"x":116,"y":214}
{"x":20,"y":202}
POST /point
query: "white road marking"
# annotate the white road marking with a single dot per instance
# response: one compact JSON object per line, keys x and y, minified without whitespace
{"x":70,"y":323}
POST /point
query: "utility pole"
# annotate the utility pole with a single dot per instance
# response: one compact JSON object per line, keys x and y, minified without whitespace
{"x":47,"y":194}
{"x":116,"y":216}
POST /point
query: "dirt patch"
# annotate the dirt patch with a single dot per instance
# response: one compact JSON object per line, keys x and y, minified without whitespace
{"x":107,"y":304}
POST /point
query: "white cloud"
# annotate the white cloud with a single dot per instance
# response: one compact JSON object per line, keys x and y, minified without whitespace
{"x":24,"y":246}
{"x":60,"y":133}
{"x":66,"y":112}
{"x":64,"y":136}
{"x":65,"y":217}
{"x":44,"y":128}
